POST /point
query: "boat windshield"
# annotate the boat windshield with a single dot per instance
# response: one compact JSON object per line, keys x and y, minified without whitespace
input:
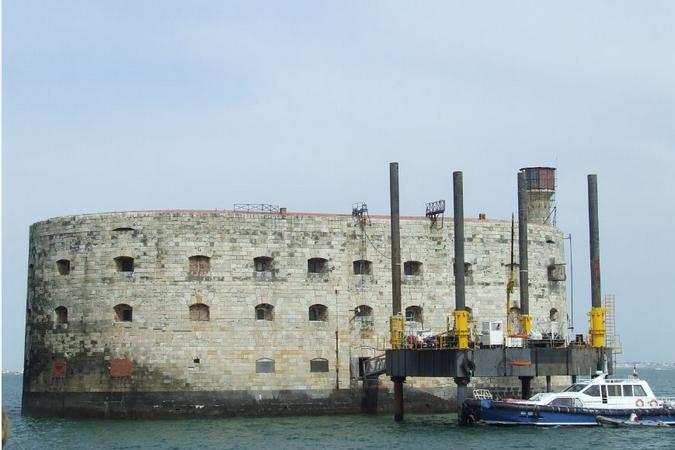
{"x":575,"y":388}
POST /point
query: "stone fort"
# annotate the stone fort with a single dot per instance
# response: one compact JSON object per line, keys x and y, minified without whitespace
{"x":161,"y":313}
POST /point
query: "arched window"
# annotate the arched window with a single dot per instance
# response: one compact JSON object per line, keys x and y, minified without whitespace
{"x":363,"y":315}
{"x":124,"y":264}
{"x":264,"y":311}
{"x":199,"y":311}
{"x":199,"y":264}
{"x":61,"y":314}
{"x":413,"y":314}
{"x":412,"y":268}
{"x":553,"y":315}
{"x":316,"y":265}
{"x":318,"y":365}
{"x":263,"y":264}
{"x":123,"y":312}
{"x":63,"y":266}
{"x":362,"y":267}
{"x":264,"y":365}
{"x":318,"y":313}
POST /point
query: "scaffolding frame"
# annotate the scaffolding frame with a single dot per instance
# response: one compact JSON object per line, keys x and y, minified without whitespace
{"x":612,"y":341}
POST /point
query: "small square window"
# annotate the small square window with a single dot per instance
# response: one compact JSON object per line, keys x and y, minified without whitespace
{"x":318,"y":365}
{"x":63,"y":266}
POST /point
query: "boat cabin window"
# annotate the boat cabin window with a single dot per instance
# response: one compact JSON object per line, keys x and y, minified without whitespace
{"x":627,"y":390}
{"x":639,"y":392}
{"x":562,"y":402}
{"x":575,"y":388}
{"x":593,"y":391}
{"x":614,"y":390}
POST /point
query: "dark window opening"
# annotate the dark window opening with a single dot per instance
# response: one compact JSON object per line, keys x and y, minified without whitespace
{"x":264,"y":311}
{"x":196,"y":361}
{"x":553,"y":315}
{"x":468,"y":274}
{"x":61,"y":314}
{"x":63,"y":266}
{"x":263,"y":264}
{"x":316,"y":265}
{"x":412,"y":268}
{"x":362,"y":267}
{"x":364,"y":315}
{"x":413,"y":314}
{"x":124,"y":264}
{"x":123,"y":313}
{"x":123,"y":229}
{"x":199,"y":264}
{"x":318,"y":365}
{"x":556,"y":272}
{"x":199,"y":311}
{"x":264,"y":365}
{"x":318,"y":313}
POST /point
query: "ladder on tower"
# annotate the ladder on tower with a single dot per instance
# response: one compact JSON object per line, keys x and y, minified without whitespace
{"x":612,"y":340}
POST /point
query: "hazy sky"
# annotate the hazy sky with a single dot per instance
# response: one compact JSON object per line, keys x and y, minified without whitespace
{"x":128,"y":105}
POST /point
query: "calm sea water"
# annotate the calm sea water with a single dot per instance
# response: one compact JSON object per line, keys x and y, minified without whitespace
{"x":424,"y":432}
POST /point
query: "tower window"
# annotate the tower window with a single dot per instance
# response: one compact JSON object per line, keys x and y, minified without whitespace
{"x":412,"y":268}
{"x":63,"y":266}
{"x":318,"y":313}
{"x":264,"y":365}
{"x":264,"y":311}
{"x":413,"y":314}
{"x":318,"y":365}
{"x":553,"y":315}
{"x":61,"y":314}
{"x":316,"y":265}
{"x":124,"y":264}
{"x":556,"y":272}
{"x":199,"y":312}
{"x":468,"y":274}
{"x":263,"y":264}
{"x":199,"y":264}
{"x":363,"y":315}
{"x":123,"y":313}
{"x":362,"y":267}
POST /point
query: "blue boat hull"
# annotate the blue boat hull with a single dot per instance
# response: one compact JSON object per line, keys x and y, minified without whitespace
{"x":505,"y":413}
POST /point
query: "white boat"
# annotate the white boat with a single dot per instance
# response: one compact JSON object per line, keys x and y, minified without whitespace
{"x":579,"y":404}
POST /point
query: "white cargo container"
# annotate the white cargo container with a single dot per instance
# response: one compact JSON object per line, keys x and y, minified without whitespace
{"x":492,"y":334}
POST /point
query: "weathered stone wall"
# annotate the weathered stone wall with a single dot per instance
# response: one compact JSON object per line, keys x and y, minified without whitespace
{"x":171,"y":353}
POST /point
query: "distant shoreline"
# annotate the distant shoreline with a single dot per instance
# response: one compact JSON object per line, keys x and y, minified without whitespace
{"x":643,"y":364}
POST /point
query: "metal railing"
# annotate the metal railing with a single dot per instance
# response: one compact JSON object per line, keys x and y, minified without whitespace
{"x":375,"y":366}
